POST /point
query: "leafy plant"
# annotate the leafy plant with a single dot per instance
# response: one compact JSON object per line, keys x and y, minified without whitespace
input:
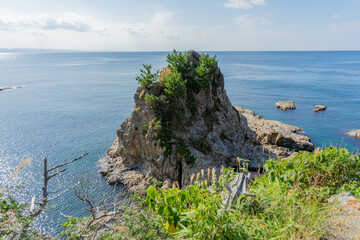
{"x":14,"y":223}
{"x":147,"y":78}
{"x":204,"y":71}
{"x":330,"y":170}
{"x":180,"y":62}
{"x":175,"y":85}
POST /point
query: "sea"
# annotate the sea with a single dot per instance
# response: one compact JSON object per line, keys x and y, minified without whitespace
{"x":72,"y":102}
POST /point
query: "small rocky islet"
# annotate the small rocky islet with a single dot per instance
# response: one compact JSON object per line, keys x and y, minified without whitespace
{"x":285,"y":105}
{"x":319,"y":108}
{"x":204,"y":131}
{"x":354,"y":133}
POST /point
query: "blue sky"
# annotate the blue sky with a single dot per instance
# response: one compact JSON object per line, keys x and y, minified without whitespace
{"x":145,"y":25}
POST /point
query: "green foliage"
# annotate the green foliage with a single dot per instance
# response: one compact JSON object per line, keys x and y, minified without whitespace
{"x":143,"y":225}
{"x":14,"y":223}
{"x":145,"y":129}
{"x":175,"y":85}
{"x":156,"y":124}
{"x":71,"y":225}
{"x":146,"y":78}
{"x":204,"y":71}
{"x":195,"y":212}
{"x":184,"y":152}
{"x":289,"y":202}
{"x":201,"y":144}
{"x":180,"y":62}
{"x":330,"y":170}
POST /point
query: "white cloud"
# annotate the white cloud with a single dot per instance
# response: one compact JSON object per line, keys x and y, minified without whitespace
{"x":335,"y":16}
{"x":65,"y":21}
{"x":243,"y":4}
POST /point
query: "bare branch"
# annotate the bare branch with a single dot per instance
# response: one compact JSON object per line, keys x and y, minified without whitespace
{"x":68,"y":189}
{"x":51,"y":176}
{"x":66,"y":163}
{"x":45,"y":193}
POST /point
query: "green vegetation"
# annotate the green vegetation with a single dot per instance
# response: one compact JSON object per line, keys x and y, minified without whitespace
{"x":181,"y":79}
{"x":290,"y":202}
{"x":146,"y":78}
{"x":14,"y":223}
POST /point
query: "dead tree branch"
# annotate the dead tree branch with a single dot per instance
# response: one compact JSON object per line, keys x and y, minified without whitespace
{"x":34,"y":212}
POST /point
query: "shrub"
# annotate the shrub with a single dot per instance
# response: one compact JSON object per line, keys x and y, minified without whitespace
{"x":156,"y":124}
{"x":146,"y":78}
{"x":204,"y":71}
{"x":330,"y":170}
{"x":151,"y":99}
{"x":180,"y":62}
{"x":175,"y":85}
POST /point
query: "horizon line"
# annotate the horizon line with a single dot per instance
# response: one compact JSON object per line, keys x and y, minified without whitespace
{"x":165,"y":51}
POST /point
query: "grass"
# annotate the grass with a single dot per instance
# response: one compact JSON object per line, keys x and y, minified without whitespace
{"x":290,"y":202}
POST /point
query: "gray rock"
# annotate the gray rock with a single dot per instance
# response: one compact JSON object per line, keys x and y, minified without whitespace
{"x":345,"y":218}
{"x":319,"y":108}
{"x":135,"y":155}
{"x":281,"y":138}
{"x":342,"y":198}
{"x":286,"y":105}
{"x":354,"y":133}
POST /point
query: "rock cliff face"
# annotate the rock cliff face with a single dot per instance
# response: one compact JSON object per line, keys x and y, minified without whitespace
{"x":207,"y":132}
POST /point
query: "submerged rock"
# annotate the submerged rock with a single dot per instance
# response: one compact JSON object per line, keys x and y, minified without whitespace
{"x":319,"y":108}
{"x":207,"y":133}
{"x":354,"y":133}
{"x":286,"y":105}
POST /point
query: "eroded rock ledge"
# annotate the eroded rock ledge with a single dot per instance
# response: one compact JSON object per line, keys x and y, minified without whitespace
{"x":214,"y":132}
{"x":281,"y":138}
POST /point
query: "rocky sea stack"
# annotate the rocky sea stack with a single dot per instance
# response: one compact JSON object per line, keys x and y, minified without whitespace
{"x":183,"y":122}
{"x":286,"y":105}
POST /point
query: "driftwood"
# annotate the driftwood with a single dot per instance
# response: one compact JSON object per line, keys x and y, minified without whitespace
{"x":237,"y":188}
{"x":35,"y":211}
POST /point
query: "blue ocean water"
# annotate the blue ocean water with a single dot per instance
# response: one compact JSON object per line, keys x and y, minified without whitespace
{"x":73,"y":102}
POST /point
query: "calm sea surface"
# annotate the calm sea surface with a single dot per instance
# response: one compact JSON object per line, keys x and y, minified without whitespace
{"x":74,"y":102}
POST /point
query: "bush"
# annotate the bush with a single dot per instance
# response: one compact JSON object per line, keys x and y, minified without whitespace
{"x":146,"y":78}
{"x":204,"y":71}
{"x":180,"y":62}
{"x":330,"y":170}
{"x":175,"y":85}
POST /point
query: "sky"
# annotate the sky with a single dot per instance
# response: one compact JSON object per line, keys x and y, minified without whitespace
{"x":163,"y":25}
